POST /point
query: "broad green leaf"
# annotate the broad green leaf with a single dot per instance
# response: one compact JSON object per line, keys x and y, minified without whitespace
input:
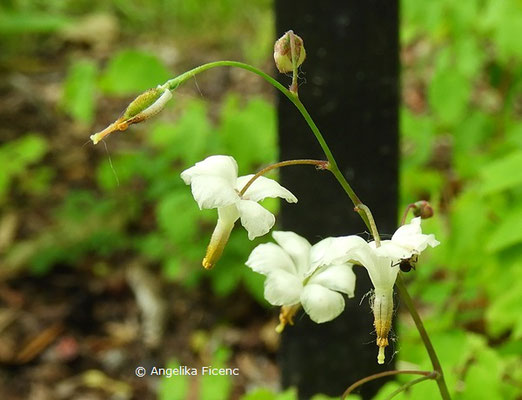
{"x":469,"y":139}
{"x":469,"y":221}
{"x":131,"y":72}
{"x":214,"y":387}
{"x":249,"y":133}
{"x":502,"y":174}
{"x":175,"y":387}
{"x":325,"y":397}
{"x":507,"y":232}
{"x":418,"y":133}
{"x":16,"y":156}
{"x":78,"y":98}
{"x":504,"y":311}
{"x":177,"y":215}
{"x":503,"y":21}
{"x":188,"y":140}
{"x":16,"y":23}
{"x":469,"y":55}
{"x":259,"y":394}
{"x":484,"y":377}
{"x":448,"y":95}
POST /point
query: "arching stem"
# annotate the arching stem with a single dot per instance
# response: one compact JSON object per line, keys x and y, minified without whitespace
{"x":382,"y":375}
{"x":318,"y":163}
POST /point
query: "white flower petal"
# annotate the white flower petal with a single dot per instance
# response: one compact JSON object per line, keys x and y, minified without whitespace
{"x":282,"y":288}
{"x":410,"y":236}
{"x":224,"y":167}
{"x":335,"y":277}
{"x":321,"y":304}
{"x":297,"y":247}
{"x":262,"y":188}
{"x":383,"y":272}
{"x":256,"y":219}
{"x":406,"y":230}
{"x":269,"y":257}
{"x":212,"y":192}
{"x":337,"y":250}
{"x":391,"y":250}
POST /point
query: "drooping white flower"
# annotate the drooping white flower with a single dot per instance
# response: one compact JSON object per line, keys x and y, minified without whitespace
{"x":215,"y":184}
{"x":293,"y":277}
{"x":382,"y":264}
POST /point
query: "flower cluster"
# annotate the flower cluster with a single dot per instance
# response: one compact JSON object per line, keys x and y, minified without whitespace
{"x":297,"y":273}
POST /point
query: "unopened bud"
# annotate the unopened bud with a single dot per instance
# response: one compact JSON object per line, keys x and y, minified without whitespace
{"x":423,"y":209}
{"x":143,"y":107}
{"x":283,"y":52}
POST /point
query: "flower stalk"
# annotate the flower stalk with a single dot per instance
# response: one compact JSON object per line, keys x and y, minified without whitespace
{"x":405,"y":297}
{"x":384,"y":374}
{"x":318,"y":163}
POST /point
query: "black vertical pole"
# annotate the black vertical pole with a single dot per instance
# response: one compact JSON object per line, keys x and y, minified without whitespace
{"x":350,"y":86}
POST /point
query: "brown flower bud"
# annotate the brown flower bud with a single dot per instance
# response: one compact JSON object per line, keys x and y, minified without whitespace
{"x":423,"y":209}
{"x":283,"y":52}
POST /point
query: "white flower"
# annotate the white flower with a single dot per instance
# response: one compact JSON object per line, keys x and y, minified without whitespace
{"x":215,"y":184}
{"x":293,"y":278}
{"x":382,"y":264}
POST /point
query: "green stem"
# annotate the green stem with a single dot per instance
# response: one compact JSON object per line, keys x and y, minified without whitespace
{"x":179,"y":80}
{"x":318,"y":163}
{"x":382,"y":375}
{"x":405,"y":296}
{"x":406,"y":211}
{"x":373,"y":226}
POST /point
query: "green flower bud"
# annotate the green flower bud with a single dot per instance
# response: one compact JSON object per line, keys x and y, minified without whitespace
{"x":143,"y":107}
{"x":283,"y":52}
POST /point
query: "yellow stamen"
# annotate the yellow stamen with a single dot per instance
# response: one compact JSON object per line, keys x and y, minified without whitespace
{"x":286,"y":316}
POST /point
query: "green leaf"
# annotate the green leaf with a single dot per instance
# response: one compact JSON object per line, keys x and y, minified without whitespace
{"x":469,"y":223}
{"x":502,"y":174}
{"x":325,"y":397}
{"x":484,"y":377}
{"x":508,"y":232}
{"x":448,"y":95}
{"x":418,"y":133}
{"x":249,"y":133}
{"x":259,"y":394}
{"x":131,"y":72}
{"x":214,"y":387}
{"x":78,"y":99}
{"x":175,"y":387}
{"x":15,"y":23}
{"x":17,"y":155}
{"x":504,"y":312}
{"x":188,"y":139}
{"x":177,"y":215}
{"x":503,"y":21}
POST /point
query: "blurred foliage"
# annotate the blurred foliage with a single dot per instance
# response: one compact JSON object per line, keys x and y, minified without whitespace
{"x":461,"y":150}
{"x":461,"y":127}
{"x":91,"y":222}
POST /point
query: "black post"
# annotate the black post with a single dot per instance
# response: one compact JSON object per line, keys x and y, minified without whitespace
{"x":350,"y":86}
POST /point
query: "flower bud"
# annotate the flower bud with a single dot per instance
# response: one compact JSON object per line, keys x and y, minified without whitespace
{"x":143,"y":107}
{"x":423,"y":209}
{"x":283,"y":52}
